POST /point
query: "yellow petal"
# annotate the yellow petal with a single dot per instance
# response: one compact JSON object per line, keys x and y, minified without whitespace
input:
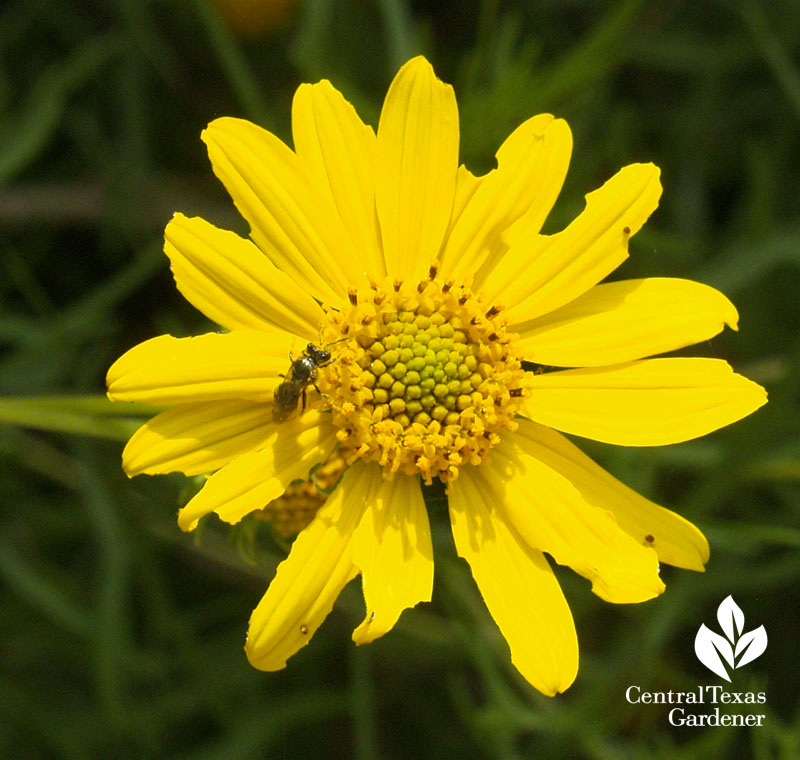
{"x":198,"y":438}
{"x":620,"y":321}
{"x":417,"y":164}
{"x":517,"y":584}
{"x":676,"y":541}
{"x":546,"y":179}
{"x":308,"y":581}
{"x":557,"y":152}
{"x":504,"y":194}
{"x":467,"y":185}
{"x":211,"y":367}
{"x":233,"y":283}
{"x":550,"y":513}
{"x":646,"y":403}
{"x":291,"y":220}
{"x":253,"y":480}
{"x":542,"y":272}
{"x":392,"y":547}
{"x":339,"y":151}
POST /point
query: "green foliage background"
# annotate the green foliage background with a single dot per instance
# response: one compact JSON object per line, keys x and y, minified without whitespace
{"x":122,"y":637}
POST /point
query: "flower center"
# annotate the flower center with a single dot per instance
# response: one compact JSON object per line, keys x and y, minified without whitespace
{"x":426,"y":380}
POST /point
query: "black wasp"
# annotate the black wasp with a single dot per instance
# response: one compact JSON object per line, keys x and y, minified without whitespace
{"x":302,"y":373}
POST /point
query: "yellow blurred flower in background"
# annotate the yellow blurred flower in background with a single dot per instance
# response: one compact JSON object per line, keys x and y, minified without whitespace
{"x":255,"y":18}
{"x":295,"y":508}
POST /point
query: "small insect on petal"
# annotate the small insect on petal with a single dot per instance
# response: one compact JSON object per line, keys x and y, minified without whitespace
{"x":302,"y":373}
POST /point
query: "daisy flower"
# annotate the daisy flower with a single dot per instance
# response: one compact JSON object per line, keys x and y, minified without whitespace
{"x":461,"y":343}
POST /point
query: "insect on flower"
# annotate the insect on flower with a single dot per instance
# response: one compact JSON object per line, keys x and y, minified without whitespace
{"x":302,"y":373}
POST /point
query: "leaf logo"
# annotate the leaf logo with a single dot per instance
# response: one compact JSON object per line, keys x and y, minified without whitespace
{"x":722,"y":654}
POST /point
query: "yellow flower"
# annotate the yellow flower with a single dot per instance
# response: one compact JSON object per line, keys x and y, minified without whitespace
{"x":429,"y":287}
{"x":254,"y":18}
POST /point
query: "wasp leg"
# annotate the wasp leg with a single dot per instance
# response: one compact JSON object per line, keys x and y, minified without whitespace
{"x":304,"y":400}
{"x":321,"y":393}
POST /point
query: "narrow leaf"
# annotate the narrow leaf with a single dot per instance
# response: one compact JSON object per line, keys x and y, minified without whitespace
{"x":751,"y":645}
{"x":708,"y":646}
{"x":731,"y":618}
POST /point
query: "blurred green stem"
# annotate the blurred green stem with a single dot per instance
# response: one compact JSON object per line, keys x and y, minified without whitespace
{"x":234,"y":64}
{"x":397,"y":26}
{"x":599,"y":51}
{"x":364,"y":702}
{"x":42,"y":593}
{"x":774,"y":51}
{"x":83,"y":415}
{"x":25,"y":132}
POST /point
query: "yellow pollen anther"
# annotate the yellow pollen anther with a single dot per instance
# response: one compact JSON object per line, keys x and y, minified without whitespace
{"x":426,"y":380}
